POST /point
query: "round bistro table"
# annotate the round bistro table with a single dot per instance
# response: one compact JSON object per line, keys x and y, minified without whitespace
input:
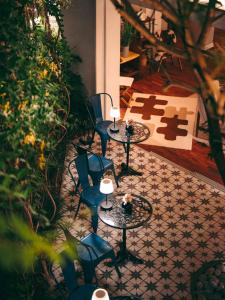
{"x":118,"y":218}
{"x":140,"y":133}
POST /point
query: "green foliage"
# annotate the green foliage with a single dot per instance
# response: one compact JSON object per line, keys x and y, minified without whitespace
{"x":127,"y":34}
{"x":26,"y":287}
{"x":21,"y":250}
{"x":36,"y":121}
{"x":21,"y":246}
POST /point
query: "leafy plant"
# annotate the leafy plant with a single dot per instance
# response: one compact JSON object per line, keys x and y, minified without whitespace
{"x":127,"y":34}
{"x":36,"y":121}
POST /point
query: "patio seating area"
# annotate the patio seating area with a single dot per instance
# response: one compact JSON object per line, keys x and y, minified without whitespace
{"x":185,"y":230}
{"x":112,"y":165}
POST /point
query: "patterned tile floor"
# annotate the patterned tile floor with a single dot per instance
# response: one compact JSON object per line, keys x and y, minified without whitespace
{"x":187,"y":227}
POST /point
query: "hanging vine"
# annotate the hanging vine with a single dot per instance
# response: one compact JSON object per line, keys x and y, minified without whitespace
{"x":36,"y":83}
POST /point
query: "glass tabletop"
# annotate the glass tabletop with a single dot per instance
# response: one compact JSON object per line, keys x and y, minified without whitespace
{"x":140,"y":132}
{"x":117,"y":217}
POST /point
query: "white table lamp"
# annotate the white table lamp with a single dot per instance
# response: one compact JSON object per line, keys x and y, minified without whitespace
{"x":106,"y":187}
{"x":100,"y":294}
{"x":115,"y":113}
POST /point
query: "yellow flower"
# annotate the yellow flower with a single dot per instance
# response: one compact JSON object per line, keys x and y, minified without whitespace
{"x":43,"y":74}
{"x":6,"y":106}
{"x":17,"y":163}
{"x":3,"y":95}
{"x":46,"y":94}
{"x":22,"y":105}
{"x":41,"y":60}
{"x":30,"y":139}
{"x":42,"y":146}
{"x":41,"y":161}
{"x":6,"y":109}
{"x":53,"y":67}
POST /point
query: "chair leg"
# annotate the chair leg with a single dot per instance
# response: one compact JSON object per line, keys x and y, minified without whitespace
{"x":78,"y":207}
{"x":96,"y":177}
{"x":104,"y":146}
{"x":93,"y":135}
{"x":160,"y":62}
{"x":77,"y":187}
{"x":125,"y":96}
{"x":89,"y":272}
{"x":94,"y":219}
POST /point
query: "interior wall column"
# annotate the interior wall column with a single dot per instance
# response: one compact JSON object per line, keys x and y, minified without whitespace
{"x":107,"y":51}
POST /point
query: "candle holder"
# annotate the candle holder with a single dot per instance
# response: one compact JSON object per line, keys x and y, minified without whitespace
{"x":115,"y":113}
{"x":100,"y":294}
{"x":126,"y":203}
{"x":106,"y":187}
{"x":127,"y":208}
{"x":129,"y":127}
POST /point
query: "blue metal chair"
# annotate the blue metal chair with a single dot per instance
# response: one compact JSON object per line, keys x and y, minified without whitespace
{"x":100,"y":125}
{"x":90,"y":195}
{"x":91,"y":250}
{"x":76,"y":292}
{"x":97,"y":165}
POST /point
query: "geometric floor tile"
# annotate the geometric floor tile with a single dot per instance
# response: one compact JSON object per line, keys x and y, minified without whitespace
{"x":187,"y":227}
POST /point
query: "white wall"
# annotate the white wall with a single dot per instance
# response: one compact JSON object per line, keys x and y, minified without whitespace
{"x":79,"y":22}
{"x":107,"y":51}
{"x":100,"y":46}
{"x":92,"y":29}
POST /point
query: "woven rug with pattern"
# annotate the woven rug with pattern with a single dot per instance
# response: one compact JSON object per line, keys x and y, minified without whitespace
{"x":187,"y":227}
{"x":171,"y":120}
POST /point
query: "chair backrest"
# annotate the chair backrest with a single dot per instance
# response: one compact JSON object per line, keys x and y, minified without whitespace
{"x":90,"y":155}
{"x":80,"y":150}
{"x":77,"y":245}
{"x":95,"y":101}
{"x":81,"y":163}
{"x":67,"y":265}
{"x":69,"y":272}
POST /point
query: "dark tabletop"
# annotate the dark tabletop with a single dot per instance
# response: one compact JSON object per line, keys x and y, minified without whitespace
{"x":140,"y":133}
{"x":118,"y":218}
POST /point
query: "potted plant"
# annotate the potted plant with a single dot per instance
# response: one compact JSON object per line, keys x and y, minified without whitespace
{"x":127,"y":34}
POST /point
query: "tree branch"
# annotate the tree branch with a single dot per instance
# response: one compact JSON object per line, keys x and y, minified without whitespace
{"x":198,"y":61}
{"x":28,"y":215}
{"x":219,"y":16}
{"x":50,"y":196}
{"x":164,"y":10}
{"x":206,"y":24}
{"x":170,"y":7}
{"x":135,"y":22}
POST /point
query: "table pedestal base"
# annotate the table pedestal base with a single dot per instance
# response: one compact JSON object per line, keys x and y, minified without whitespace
{"x":128,"y":171}
{"x":124,"y":255}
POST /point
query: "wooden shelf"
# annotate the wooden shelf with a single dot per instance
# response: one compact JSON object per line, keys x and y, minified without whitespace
{"x":131,"y":56}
